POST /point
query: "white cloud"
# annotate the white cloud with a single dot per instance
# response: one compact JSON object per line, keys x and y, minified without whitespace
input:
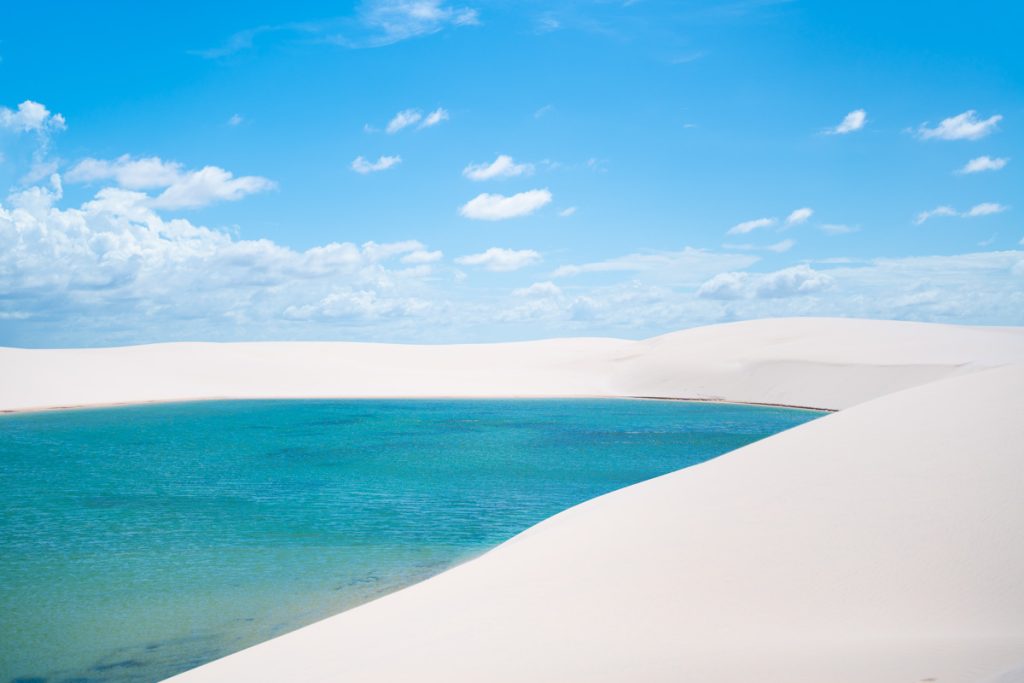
{"x":749,"y":226}
{"x":799,"y":216}
{"x":397,"y":20}
{"x":567,"y":211}
{"x":793,"y":281}
{"x":403,"y":119}
{"x":547,"y":288}
{"x":31,"y":116}
{"x":498,"y":259}
{"x":383,"y":163}
{"x":778,"y":247}
{"x":965,"y":126}
{"x":837,"y":229}
{"x":496,"y":207}
{"x":236,"y":119}
{"x":435,"y":117}
{"x":688,"y":265}
{"x":546,"y":109}
{"x":983,"y":209}
{"x":937,"y":211}
{"x":502,"y":167}
{"x":133,"y":173}
{"x":853,"y":121}
{"x":184,"y":189}
{"x":207,"y":185}
{"x":983,"y":163}
{"x":724,"y":286}
{"x":114,"y":266}
{"x":422,"y":256}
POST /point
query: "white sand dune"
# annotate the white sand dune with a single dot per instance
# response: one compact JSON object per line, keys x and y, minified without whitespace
{"x":823,"y":363}
{"x":882,"y":543}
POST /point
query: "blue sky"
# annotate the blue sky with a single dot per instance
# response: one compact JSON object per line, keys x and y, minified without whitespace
{"x":438,"y":172}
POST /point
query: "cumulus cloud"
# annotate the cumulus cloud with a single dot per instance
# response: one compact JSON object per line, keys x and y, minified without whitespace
{"x":983,"y":209}
{"x":724,"y":286}
{"x":31,"y":117}
{"x":502,"y":167}
{"x":799,"y":216}
{"x":435,"y":117}
{"x":983,"y":163}
{"x":853,"y":121}
{"x":749,"y":226}
{"x":496,"y":207}
{"x":182,"y":189}
{"x":794,"y":281}
{"x":383,"y":163}
{"x":501,"y":260}
{"x":965,"y":126}
{"x":115,"y":265}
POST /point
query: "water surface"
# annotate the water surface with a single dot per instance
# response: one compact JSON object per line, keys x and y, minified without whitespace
{"x":137,"y":542}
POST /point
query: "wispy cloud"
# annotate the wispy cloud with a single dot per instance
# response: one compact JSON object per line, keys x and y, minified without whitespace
{"x":686,"y":265}
{"x":749,"y":226}
{"x":501,"y":260}
{"x":838,"y":229}
{"x":777,"y":248}
{"x":403,"y":119}
{"x":496,"y":207}
{"x":502,"y":167}
{"x":965,"y":126}
{"x":377,"y":23}
{"x":853,"y":121}
{"x":393,"y":21}
{"x":543,"y":111}
{"x":799,"y":216}
{"x":236,"y":119}
{"x":983,"y":209}
{"x":983,"y":163}
{"x":435,"y":117}
{"x":383,"y":163}
{"x":567,"y":211}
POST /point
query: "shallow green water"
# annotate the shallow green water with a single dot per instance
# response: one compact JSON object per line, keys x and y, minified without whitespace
{"x":141,"y":541}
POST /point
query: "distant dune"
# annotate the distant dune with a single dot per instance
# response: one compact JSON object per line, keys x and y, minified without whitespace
{"x":815,"y":362}
{"x":884,"y":543}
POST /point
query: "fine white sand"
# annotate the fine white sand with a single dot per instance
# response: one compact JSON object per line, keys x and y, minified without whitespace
{"x":882,"y":543}
{"x":823,"y":363}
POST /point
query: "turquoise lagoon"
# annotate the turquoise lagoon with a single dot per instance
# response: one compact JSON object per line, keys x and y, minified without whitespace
{"x":137,"y":542}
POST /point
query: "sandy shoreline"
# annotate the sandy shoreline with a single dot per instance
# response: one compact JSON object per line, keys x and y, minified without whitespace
{"x":879,"y":543}
{"x":440,"y":397}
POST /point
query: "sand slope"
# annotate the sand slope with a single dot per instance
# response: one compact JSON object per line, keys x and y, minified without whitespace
{"x":825,"y":363}
{"x":883,"y":543}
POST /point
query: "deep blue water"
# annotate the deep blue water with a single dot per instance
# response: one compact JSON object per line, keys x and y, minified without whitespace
{"x":137,"y":542}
